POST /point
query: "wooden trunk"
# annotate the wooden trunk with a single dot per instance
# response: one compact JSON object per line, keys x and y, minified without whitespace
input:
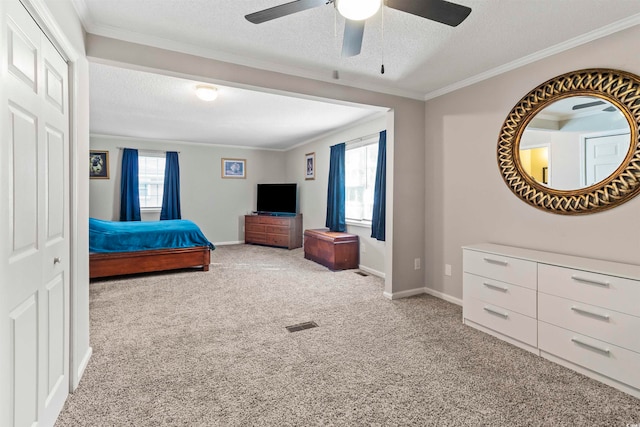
{"x":336,"y":250}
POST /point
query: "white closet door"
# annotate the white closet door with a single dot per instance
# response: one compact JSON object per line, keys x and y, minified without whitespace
{"x":34,"y":223}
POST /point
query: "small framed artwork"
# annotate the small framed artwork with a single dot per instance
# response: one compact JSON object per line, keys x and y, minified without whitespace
{"x":310,"y":166}
{"x":234,"y":168}
{"x":98,"y":164}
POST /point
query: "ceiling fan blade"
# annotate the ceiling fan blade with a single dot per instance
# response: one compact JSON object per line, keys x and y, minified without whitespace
{"x":283,"y":10}
{"x":442,"y":11}
{"x":587,"y":105}
{"x":610,"y":109}
{"x":352,"y":41}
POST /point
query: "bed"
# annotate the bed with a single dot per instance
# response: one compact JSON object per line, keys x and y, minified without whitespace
{"x":121,"y":248}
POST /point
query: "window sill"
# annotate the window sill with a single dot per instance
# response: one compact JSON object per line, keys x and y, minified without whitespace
{"x":356,"y":223}
{"x":150,"y":210}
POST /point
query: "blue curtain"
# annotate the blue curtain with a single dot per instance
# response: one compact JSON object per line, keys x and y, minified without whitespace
{"x":171,"y":195}
{"x":336,"y":191}
{"x":129,"y":193}
{"x":379,"y":191}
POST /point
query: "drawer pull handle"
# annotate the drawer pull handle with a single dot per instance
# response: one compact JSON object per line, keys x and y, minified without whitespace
{"x":590,"y":313}
{"x":496,"y":261}
{"x":590,"y":281}
{"x":498,"y":312}
{"x":496,"y":287}
{"x":592,"y":347}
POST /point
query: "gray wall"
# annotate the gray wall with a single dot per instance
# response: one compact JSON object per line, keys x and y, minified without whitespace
{"x":405,"y":139}
{"x":466,"y":198}
{"x":217,"y":205}
{"x":313,"y":193}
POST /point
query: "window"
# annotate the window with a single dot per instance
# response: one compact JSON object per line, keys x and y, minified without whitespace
{"x":151,"y":181}
{"x":360,"y":178}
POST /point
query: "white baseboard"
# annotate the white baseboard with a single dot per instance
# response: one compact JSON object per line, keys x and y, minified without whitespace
{"x":404,"y":294}
{"x":424,"y":290}
{"x":443,"y":296}
{"x":237,"y":242}
{"x":371,"y":271}
{"x":83,"y":366}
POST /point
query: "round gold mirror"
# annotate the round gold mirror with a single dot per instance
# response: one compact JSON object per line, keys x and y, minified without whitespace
{"x":571,"y":145}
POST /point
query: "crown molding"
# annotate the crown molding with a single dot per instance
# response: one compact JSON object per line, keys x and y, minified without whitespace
{"x":173,"y":141}
{"x":327,"y":75}
{"x":607,"y":30}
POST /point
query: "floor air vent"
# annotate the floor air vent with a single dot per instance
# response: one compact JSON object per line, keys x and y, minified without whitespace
{"x":362,"y":273}
{"x":302,"y":326}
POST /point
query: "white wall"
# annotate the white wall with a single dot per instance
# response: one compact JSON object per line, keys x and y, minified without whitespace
{"x":217,"y":205}
{"x":313,"y":193}
{"x":468,"y":202}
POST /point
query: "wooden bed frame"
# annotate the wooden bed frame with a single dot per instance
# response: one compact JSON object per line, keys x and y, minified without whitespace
{"x":121,"y":263}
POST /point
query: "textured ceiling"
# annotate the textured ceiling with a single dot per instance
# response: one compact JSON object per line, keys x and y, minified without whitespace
{"x":145,"y":105}
{"x":422,"y":59}
{"x":420,"y":56}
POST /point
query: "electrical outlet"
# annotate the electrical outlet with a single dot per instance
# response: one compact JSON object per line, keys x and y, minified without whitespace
{"x":447,"y":269}
{"x":363,"y":249}
{"x":416,"y":264}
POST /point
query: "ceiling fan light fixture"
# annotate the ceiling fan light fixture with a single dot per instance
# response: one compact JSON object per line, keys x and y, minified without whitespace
{"x":206,"y":92}
{"x":358,"y":10}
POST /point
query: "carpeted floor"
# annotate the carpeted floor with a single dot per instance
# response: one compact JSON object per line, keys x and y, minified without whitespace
{"x":211,"y":349}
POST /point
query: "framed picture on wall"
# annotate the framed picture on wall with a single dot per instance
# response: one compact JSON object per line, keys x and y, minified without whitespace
{"x":234,"y":168}
{"x":98,"y":164}
{"x":310,"y":166}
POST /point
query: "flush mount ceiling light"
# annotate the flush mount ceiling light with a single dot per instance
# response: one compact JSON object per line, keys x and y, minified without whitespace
{"x":358,"y":10}
{"x":206,"y":93}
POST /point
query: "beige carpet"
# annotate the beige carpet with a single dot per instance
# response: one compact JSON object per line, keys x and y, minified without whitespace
{"x":211,"y":349}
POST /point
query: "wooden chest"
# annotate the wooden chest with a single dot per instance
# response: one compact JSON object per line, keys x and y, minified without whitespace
{"x":336,"y":250}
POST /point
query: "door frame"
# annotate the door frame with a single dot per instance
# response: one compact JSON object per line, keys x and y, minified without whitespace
{"x":546,"y":145}
{"x":47,"y":23}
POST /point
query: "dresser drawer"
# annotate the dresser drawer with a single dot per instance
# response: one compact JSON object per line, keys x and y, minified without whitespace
{"x":607,"y":359}
{"x":277,"y":229}
{"x":512,"y":297}
{"x":597,"y":322}
{"x":251,"y":237}
{"x":257,"y":228}
{"x":507,"y":322}
{"x":505,"y":269}
{"x":274,"y":220}
{"x":590,"y":288}
{"x":277,"y":240}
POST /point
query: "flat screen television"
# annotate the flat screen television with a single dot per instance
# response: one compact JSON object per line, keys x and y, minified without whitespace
{"x":277,"y":199}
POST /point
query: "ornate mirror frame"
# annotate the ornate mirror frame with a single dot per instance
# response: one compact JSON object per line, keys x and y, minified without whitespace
{"x":620,"y":88}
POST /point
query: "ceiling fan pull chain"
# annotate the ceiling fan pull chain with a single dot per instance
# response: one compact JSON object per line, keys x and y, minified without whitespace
{"x":382,"y":43}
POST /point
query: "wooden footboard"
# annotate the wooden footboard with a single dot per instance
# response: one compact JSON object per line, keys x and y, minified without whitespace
{"x":121,"y":263}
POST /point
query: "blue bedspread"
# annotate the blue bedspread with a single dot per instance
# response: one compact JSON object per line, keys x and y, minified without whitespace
{"x":111,"y":236}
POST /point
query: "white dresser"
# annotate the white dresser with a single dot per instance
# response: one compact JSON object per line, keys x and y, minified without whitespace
{"x":579,"y":312}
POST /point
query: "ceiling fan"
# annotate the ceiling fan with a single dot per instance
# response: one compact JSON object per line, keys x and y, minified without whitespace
{"x":609,"y":109}
{"x":357,"y":11}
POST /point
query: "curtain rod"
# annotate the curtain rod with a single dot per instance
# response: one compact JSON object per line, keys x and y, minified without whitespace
{"x":147,"y":150}
{"x":362,"y":138}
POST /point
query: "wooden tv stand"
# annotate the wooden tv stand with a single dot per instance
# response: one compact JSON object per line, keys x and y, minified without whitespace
{"x":271,"y":230}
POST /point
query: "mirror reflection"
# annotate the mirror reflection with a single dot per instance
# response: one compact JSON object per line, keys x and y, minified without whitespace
{"x":574,"y":143}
